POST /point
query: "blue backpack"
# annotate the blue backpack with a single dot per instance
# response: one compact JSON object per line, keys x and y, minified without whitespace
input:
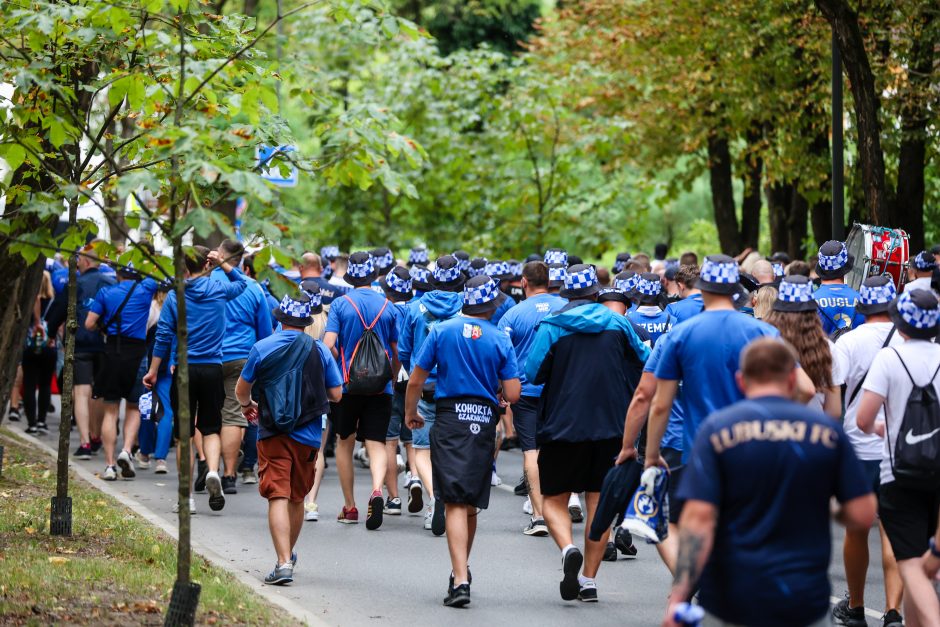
{"x":281,"y":380}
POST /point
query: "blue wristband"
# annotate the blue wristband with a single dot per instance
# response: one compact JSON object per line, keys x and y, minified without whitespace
{"x":933,"y":548}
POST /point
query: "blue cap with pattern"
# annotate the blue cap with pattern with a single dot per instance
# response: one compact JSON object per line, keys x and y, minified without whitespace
{"x":383,"y":258}
{"x":311,"y":290}
{"x":580,"y":281}
{"x":556,"y":255}
{"x":420,"y":274}
{"x":295,"y":308}
{"x":915,"y":313}
{"x":361,"y":265}
{"x":418,"y":255}
{"x":397,"y":283}
{"x":463,"y":260}
{"x":719,"y":275}
{"x":924,"y":261}
{"x":795,"y":293}
{"x":447,"y":274}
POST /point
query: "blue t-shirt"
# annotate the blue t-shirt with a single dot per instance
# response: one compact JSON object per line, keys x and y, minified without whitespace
{"x":520,"y":324}
{"x":508,"y":304}
{"x":310,"y":433}
{"x":472,"y":356}
{"x":328,"y":291}
{"x":684,"y":309}
{"x":346,"y":323}
{"x":247,"y":319}
{"x":770,"y":466}
{"x":653,"y":319}
{"x":136,"y":312}
{"x":836,"y":303}
{"x":60,"y":278}
{"x":703,"y":353}
{"x":673,"y":436}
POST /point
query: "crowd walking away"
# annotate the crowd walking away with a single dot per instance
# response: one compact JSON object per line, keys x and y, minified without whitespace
{"x":727,"y":410}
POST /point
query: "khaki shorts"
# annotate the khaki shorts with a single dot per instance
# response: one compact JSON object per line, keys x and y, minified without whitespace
{"x":231,"y":408}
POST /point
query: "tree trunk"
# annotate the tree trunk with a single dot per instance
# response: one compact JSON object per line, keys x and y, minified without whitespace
{"x":845,"y":26}
{"x":821,"y":211}
{"x":719,"y":170}
{"x":797,"y":224}
{"x":751,"y":203}
{"x":779,"y":203}
{"x":912,"y":156}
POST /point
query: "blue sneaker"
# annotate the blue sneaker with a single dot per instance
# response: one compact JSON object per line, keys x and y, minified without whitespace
{"x":282,"y":575}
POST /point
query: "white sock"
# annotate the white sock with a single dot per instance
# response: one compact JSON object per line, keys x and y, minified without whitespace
{"x":565,"y":550}
{"x":586,"y":582}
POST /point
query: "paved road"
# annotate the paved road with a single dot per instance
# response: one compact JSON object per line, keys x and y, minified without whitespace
{"x":398,"y":574}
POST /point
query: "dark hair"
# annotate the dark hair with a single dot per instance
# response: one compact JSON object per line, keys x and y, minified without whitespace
{"x":688,"y":259}
{"x":767,"y":360}
{"x":536,"y":273}
{"x":234,"y":251}
{"x":603,"y":276}
{"x":644,"y":260}
{"x":687,"y":275}
{"x":635,"y":265}
{"x":249,"y":267}
{"x":196,"y":260}
{"x":798,"y":268}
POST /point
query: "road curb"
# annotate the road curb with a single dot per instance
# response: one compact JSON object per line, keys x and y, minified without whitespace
{"x":268,"y":593}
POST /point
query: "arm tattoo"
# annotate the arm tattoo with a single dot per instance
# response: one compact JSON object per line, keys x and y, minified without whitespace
{"x":687,"y":564}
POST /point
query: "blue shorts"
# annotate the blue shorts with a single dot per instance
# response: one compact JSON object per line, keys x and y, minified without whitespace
{"x":421,"y":438}
{"x":871,"y":468}
{"x":524,"y":415}
{"x":397,"y":430}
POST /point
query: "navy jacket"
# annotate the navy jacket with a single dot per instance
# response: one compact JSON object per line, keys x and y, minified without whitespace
{"x":88,"y":283}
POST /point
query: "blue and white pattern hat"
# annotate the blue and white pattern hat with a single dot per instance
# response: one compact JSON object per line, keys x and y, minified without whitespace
{"x":397,"y":283}
{"x":556,"y":274}
{"x":498,"y":270}
{"x":556,"y":255}
{"x":448,"y":273}
{"x":834,"y":260}
{"x":477,"y":267}
{"x":481,"y":294}
{"x":294,"y":312}
{"x":916,"y":313}
{"x":719,"y":275}
{"x":383,"y":258}
{"x":516,"y":267}
{"x":778,"y":269}
{"x":795,"y":293}
{"x":621,"y":262}
{"x":417,"y":255}
{"x":361,"y":267}
{"x":329,"y":252}
{"x":875,"y":294}
{"x":463,"y":260}
{"x":612,"y":294}
{"x":627,"y":284}
{"x":924,"y":261}
{"x":648,"y":287}
{"x":420,"y":278}
{"x":581,"y":281}
{"x":311,"y":290}
{"x":145,"y":405}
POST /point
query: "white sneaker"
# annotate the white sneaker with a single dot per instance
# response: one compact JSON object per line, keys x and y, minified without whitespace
{"x":127,"y":465}
{"x":428,"y":515}
{"x":143,"y":461}
{"x":249,"y":477}
{"x":400,"y":462}
{"x":362,"y":457}
{"x":192,"y":506}
{"x":160,"y":467}
{"x":311,"y":512}
{"x":495,"y":480}
{"x":574,"y":508}
{"x":527,"y":506}
{"x":110,"y":473}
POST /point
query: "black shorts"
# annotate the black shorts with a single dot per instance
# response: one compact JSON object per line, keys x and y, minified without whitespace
{"x":117,"y":376}
{"x":206,"y":396}
{"x":85,"y":368}
{"x":463,"y":443}
{"x":576,"y":466}
{"x":365,"y":416}
{"x":524,"y":415}
{"x":909,"y":518}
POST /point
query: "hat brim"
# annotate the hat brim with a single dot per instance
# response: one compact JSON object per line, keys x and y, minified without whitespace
{"x":484,"y":308}
{"x":907,"y":328}
{"x":291,"y":321}
{"x":356,"y":281}
{"x":789,"y":306}
{"x":725,"y":289}
{"x":618,"y":297}
{"x":394,"y":296}
{"x":828,"y":275}
{"x":581,"y":292}
{"x":870,"y":310}
{"x":645,"y":299}
{"x":449,"y":286}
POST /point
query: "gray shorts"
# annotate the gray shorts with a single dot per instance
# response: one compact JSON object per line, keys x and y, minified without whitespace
{"x":231,"y":408}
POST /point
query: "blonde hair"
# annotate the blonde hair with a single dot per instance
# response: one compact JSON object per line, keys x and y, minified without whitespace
{"x":318,"y":329}
{"x":764,"y":301}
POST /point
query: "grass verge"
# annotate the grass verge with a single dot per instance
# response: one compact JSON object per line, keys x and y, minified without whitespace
{"x":116,"y":569}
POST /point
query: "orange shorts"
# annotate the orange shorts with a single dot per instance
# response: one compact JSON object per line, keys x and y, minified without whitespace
{"x":286,"y":468}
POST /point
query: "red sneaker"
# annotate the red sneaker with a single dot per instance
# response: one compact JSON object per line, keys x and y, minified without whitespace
{"x":349,"y":516}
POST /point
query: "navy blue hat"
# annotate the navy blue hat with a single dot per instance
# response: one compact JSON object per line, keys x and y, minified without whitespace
{"x":361,"y":270}
{"x":580,"y":282}
{"x":834,"y":260}
{"x":481,"y":295}
{"x":311,"y":288}
{"x":446,"y":275}
{"x":397,"y":285}
{"x":534,"y":257}
{"x":612,"y":294}
{"x":294,"y":312}
{"x":477,"y":267}
{"x":875,"y":295}
{"x":719,"y":275}
{"x":574,"y":260}
{"x":795,"y":293}
{"x":615,"y":495}
{"x":915,"y":313}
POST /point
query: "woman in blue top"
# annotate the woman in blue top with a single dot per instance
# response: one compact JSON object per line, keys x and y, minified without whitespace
{"x":473,"y":359}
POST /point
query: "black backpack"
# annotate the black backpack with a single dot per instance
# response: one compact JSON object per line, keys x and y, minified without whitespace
{"x":915,"y":460}
{"x":370,"y":368}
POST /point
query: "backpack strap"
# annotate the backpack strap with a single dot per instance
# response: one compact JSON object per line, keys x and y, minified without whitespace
{"x":368,"y":327}
{"x":858,"y":388}
{"x":903,"y":365}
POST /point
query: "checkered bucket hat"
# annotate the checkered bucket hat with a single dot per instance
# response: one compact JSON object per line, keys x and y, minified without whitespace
{"x":719,"y":274}
{"x":924,"y":261}
{"x":497,"y":269}
{"x":477,"y":267}
{"x":646,"y":286}
{"x":362,"y":269}
{"x":329,"y":252}
{"x":420,"y":274}
{"x":556,"y":274}
{"x":834,"y":260}
{"x":875,"y":294}
{"x":397,"y":283}
{"x":621,"y":262}
{"x":313,"y":294}
{"x":418,"y":255}
{"x":299,"y":308}
{"x":383,"y":258}
{"x":916,"y":314}
{"x":556,"y":255}
{"x":580,"y":281}
{"x":627,"y":285}
{"x":447,"y":275}
{"x":795,"y":293}
{"x":463,"y":260}
{"x":480,"y":294}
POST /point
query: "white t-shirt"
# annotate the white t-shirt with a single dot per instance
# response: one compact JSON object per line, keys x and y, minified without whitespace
{"x":852,"y":356}
{"x":888,"y":379}
{"x":923,"y":283}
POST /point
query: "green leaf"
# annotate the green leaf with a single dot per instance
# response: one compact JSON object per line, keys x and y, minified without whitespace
{"x":57,"y":135}
{"x":14,"y":155}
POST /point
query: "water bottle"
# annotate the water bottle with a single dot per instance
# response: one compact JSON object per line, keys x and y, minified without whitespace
{"x":688,"y":615}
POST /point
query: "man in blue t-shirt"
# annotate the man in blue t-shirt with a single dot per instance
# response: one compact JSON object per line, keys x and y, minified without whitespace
{"x":835,"y":299}
{"x":247,"y":320}
{"x":311,"y":267}
{"x":648,"y":313}
{"x":122,"y":312}
{"x":757,"y":501}
{"x":691,"y":302}
{"x":365,"y":416}
{"x":287,"y":453}
{"x":520,"y":324}
{"x":473,"y":360}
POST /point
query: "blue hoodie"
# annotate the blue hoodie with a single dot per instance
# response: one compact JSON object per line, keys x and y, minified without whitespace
{"x":247,"y":319}
{"x":439,"y":305}
{"x":206,"y":300}
{"x":590,"y":360}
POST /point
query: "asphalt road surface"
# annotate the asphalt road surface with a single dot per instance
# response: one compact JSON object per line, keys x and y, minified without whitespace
{"x":398,"y":574}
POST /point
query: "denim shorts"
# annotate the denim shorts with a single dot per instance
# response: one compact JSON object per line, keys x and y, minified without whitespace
{"x":397,"y":430}
{"x":421,"y":438}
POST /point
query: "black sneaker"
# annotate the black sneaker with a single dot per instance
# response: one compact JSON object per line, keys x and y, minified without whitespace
{"x":849,"y":616}
{"x":450,"y":581}
{"x":522,"y":488}
{"x":14,"y":415}
{"x":624,"y":543}
{"x":458,"y":596}
{"x":82,"y":452}
{"x":202,"y":468}
{"x":376,"y":509}
{"x":437,"y":519}
{"x":95,"y":445}
{"x":571,"y":566}
{"x":228,"y":485}
{"x":588,"y":594}
{"x":892,"y":618}
{"x":31,"y":430}
{"x":610,"y":553}
{"x":43,"y":427}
